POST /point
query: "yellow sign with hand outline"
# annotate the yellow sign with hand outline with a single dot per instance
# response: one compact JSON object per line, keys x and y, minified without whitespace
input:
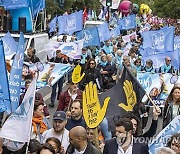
{"x":130,"y":96}
{"x":76,"y":74}
{"x":92,"y":111}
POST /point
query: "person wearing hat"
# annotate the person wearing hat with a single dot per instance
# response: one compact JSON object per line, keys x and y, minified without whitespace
{"x":66,"y":97}
{"x":58,"y":131}
{"x":149,"y":66}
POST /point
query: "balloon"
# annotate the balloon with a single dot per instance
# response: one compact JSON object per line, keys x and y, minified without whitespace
{"x":135,"y":9}
{"x":124,"y":7}
{"x":144,"y":9}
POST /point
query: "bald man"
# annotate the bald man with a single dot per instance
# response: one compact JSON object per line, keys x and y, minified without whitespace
{"x":79,"y":143}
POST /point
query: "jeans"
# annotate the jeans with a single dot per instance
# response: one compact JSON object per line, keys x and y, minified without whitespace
{"x":54,"y":87}
{"x":104,"y":129}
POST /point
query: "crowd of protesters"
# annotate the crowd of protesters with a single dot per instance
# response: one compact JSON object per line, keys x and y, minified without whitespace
{"x":69,"y":133}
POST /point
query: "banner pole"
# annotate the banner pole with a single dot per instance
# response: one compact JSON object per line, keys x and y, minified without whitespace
{"x":151,"y":100}
{"x":96,"y":140}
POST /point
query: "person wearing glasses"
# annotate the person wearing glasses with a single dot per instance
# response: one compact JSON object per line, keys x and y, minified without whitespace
{"x":167,"y":67}
{"x":91,"y":74}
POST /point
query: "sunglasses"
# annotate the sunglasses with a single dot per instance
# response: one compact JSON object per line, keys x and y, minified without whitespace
{"x":92,"y":63}
{"x":169,"y":60}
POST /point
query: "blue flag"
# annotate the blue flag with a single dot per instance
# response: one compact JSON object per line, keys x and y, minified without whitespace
{"x":159,"y":59}
{"x":128,"y":22}
{"x":115,"y":32}
{"x":104,"y":33}
{"x":52,"y":25}
{"x":163,"y":137}
{"x":177,"y":43}
{"x":161,"y":40}
{"x":36,"y":6}
{"x":90,"y":36}
{"x":16,"y":74}
{"x":10,"y":45}
{"x":68,"y":24}
{"x":15,"y":4}
{"x":4,"y":87}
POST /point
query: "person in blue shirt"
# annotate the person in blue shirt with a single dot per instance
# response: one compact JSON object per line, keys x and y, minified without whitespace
{"x":107,"y":47}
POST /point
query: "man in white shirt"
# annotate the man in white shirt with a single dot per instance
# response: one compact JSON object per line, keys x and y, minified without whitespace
{"x":59,"y":131}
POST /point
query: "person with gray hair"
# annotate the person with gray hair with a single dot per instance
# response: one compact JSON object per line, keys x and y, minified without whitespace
{"x":165,"y":150}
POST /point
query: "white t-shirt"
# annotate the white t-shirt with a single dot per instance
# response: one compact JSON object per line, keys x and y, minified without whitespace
{"x":64,"y":138}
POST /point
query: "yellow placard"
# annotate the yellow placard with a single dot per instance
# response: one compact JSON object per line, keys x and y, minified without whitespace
{"x":76,"y":74}
{"x":92,"y":111}
{"x":130,"y":96}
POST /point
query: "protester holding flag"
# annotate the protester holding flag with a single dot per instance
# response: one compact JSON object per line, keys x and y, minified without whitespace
{"x":39,"y":122}
{"x":172,"y":108}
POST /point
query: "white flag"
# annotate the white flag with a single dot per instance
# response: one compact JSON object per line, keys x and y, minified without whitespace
{"x":18,"y":126}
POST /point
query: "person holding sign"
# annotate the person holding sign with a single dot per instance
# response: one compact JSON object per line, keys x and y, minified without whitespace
{"x":172,"y":109}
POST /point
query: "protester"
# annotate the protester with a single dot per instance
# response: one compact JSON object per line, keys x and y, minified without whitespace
{"x":58,"y":131}
{"x":38,"y":97}
{"x":165,"y":150}
{"x":46,"y":149}
{"x":76,"y":117}
{"x":56,"y":144}
{"x":171,"y":108}
{"x":149,"y":66}
{"x":66,"y":97}
{"x":58,"y":59}
{"x":91,"y":74}
{"x":167,"y":67}
{"x":79,"y":142}
{"x":34,"y":146}
{"x":138,"y":65}
{"x":39,"y":123}
{"x":106,"y":72}
{"x":124,"y":143}
{"x":174,"y":143}
{"x":31,"y":57}
{"x":107,"y":47}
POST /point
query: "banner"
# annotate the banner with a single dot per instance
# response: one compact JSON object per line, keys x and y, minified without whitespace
{"x":104,"y":33}
{"x":72,"y":49}
{"x":51,"y":74}
{"x":16,"y":74}
{"x":115,"y":32}
{"x":163,"y":137}
{"x":15,"y":4}
{"x":161,"y":40}
{"x":68,"y":24}
{"x":153,"y":85}
{"x":10,"y":45}
{"x":5,"y":102}
{"x":124,"y":95}
{"x":128,"y":38}
{"x":52,"y":25}
{"x":126,"y":49}
{"x":21,"y":120}
{"x":159,"y":59}
{"x":90,"y":36}
{"x":177,"y":43}
{"x":128,"y":22}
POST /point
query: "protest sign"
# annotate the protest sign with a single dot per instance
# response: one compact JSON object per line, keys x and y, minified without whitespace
{"x":128,"y":38}
{"x":76,"y":74}
{"x":154,"y":86}
{"x":163,"y":137}
{"x":92,"y":112}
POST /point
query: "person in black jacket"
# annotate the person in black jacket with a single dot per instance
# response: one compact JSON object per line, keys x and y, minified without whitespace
{"x":58,"y":59}
{"x":31,"y":57}
{"x":79,"y":142}
{"x":91,"y":74}
{"x":106,"y":72}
